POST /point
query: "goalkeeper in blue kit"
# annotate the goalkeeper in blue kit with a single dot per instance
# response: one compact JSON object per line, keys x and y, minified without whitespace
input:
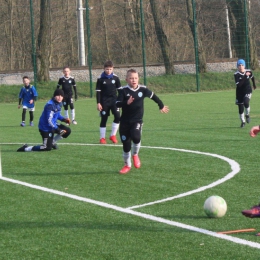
{"x":48,"y":126}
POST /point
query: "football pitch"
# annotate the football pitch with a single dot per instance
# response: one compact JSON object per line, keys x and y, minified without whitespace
{"x":72,"y":203}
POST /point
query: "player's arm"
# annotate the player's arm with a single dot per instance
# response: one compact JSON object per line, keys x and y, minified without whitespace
{"x":98,"y":95}
{"x":118,"y":84}
{"x":240,"y":80}
{"x":75,"y":92}
{"x":121,"y":100}
{"x":162,"y":107}
{"x":158,"y":101}
{"x":253,"y":81}
{"x":20,"y":98}
{"x":35,"y":94}
{"x":19,"y":103}
{"x":59,"y":83}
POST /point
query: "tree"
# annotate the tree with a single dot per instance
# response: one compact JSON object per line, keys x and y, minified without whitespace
{"x":237,"y":16}
{"x":43,"y":43}
{"x":162,"y":38}
{"x":192,"y":24}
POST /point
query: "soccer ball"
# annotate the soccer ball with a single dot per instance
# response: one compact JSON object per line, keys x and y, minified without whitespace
{"x":215,"y":207}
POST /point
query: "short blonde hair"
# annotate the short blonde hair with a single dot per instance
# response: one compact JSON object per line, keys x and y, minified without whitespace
{"x":130,"y":71}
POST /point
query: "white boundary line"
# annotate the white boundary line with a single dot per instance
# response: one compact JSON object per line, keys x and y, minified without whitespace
{"x":235,"y":167}
{"x":139,"y":214}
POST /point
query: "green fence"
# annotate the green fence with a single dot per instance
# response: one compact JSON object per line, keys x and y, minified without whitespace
{"x":45,"y":34}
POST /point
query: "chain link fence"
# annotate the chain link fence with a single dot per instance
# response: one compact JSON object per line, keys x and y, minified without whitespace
{"x":45,"y":35}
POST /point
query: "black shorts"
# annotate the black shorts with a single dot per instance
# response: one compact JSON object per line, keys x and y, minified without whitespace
{"x":47,"y":137}
{"x":130,"y":131}
{"x":240,"y":97}
{"x":67,"y":101}
{"x":107,"y":107}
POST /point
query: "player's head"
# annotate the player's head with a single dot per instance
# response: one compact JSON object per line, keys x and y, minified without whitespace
{"x":241,"y":63}
{"x":26,"y":80}
{"x":108,"y":67}
{"x":58,"y":95}
{"x":66,"y":71}
{"x":132,"y":78}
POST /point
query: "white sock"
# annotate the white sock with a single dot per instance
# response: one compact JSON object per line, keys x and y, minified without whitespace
{"x":72,"y":114}
{"x":242,"y":117}
{"x":102,"y":132}
{"x":247,"y":111}
{"x":114,"y":128}
{"x":66,"y":113}
{"x":57,"y":138}
{"x":136,"y":148}
{"x":28,"y":149}
{"x":127,"y":159}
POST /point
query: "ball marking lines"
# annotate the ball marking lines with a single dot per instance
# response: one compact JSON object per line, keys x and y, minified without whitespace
{"x":235,"y":169}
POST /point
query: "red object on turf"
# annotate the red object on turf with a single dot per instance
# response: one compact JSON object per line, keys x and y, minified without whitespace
{"x":113,"y":139}
{"x":125,"y":169}
{"x":136,"y":160}
{"x":254,"y":212}
{"x":103,"y":141}
{"x":254,"y":131}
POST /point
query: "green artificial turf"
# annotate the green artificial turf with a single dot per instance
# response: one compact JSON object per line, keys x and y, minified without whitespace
{"x":38,"y":224}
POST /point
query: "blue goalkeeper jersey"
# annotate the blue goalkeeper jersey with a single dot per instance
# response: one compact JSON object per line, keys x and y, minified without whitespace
{"x":28,"y":93}
{"x":50,"y":115}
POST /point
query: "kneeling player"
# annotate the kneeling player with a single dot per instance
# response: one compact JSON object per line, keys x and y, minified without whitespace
{"x":48,"y":126}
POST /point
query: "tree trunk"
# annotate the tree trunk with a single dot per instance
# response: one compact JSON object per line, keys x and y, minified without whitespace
{"x":43,"y":43}
{"x":103,"y":14}
{"x":201,"y":52}
{"x":254,"y":63}
{"x":162,"y":38}
{"x":237,"y":17}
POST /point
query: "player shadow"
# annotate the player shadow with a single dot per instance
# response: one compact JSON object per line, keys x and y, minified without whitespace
{"x":38,"y":174}
{"x":9,"y":225}
{"x":181,"y":217}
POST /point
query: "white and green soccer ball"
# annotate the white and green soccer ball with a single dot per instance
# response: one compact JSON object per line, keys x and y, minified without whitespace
{"x":215,"y":207}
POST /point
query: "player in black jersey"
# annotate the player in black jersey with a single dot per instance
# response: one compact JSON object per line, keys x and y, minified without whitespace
{"x":131,"y":100}
{"x":243,"y":90}
{"x":106,"y":92}
{"x":67,"y":82}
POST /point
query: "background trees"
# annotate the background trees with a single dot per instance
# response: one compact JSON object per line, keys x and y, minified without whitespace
{"x":116,"y":32}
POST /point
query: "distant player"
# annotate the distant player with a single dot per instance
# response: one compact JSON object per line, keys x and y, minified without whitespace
{"x":48,"y":126}
{"x":243,"y":90}
{"x":66,"y":83}
{"x":27,"y":96}
{"x":131,"y":100}
{"x":106,"y":92}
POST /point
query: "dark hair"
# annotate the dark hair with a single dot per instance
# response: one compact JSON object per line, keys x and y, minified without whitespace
{"x":108,"y":63}
{"x":66,"y":67}
{"x":25,"y":77}
{"x":58,"y":92}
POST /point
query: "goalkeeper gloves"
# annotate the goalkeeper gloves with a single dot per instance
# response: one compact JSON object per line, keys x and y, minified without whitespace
{"x":254,"y":131}
{"x":76,"y":97}
{"x":66,"y":120}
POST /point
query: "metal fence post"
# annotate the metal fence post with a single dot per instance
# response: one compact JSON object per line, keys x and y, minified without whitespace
{"x":247,"y":35}
{"x":33,"y":45}
{"x":89,"y":49}
{"x":196,"y":44}
{"x":143,"y":40}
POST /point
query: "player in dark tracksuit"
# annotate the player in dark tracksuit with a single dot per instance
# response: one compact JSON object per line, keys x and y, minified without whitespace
{"x":131,"y":100}
{"x":48,"y":125}
{"x":66,"y":83}
{"x":106,"y":93}
{"x":243,"y":90}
